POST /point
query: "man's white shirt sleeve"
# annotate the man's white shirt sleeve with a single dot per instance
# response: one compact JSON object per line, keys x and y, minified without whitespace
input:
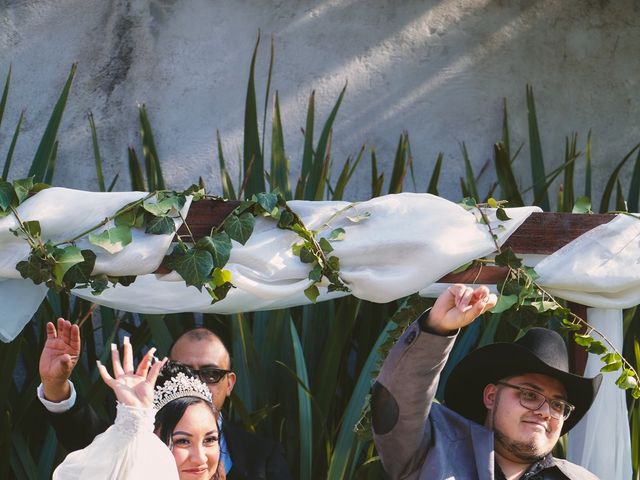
{"x":58,"y":407}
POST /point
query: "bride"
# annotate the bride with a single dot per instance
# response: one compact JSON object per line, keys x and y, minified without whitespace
{"x":166,"y":433}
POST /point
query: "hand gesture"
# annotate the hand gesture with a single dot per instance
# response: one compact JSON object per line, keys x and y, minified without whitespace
{"x":58,"y":359}
{"x":134,"y":389}
{"x":458,"y":306}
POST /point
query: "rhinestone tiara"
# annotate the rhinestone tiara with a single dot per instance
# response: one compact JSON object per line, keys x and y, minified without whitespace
{"x":179,"y":386}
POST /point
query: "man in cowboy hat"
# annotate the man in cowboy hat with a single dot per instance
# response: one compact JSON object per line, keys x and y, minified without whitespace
{"x":506,"y":404}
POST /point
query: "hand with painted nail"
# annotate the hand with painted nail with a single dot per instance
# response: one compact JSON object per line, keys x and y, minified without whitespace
{"x":58,"y":359}
{"x":458,"y":306}
{"x":132,"y":388}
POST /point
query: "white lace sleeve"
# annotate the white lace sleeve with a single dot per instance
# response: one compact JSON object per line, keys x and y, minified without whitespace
{"x":128,"y":450}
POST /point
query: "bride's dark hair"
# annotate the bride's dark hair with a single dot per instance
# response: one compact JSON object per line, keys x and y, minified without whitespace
{"x":168,"y":416}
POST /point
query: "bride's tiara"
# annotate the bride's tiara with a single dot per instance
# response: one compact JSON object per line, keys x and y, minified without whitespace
{"x":179,"y":386}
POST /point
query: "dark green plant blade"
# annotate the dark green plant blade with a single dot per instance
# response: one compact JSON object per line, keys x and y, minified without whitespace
{"x":634,"y":187}
{"x":621,"y":205}
{"x":5,"y":95}
{"x":51,"y":164}
{"x":252,"y":154}
{"x":135,"y":172}
{"x":587,"y":168}
{"x":506,"y":142}
{"x":322,"y":179}
{"x":155,"y":178}
{"x":267,"y":93}
{"x":537,"y":162}
{"x":471,"y":187}
{"x":608,"y":189}
{"x":305,"y":425}
{"x":346,"y":174}
{"x":96,"y":153}
{"x":506,"y":178}
{"x":225,"y":178}
{"x":279,"y":173}
{"x":435,"y":175}
{"x":7,"y":162}
{"x":570,"y":153}
{"x":43,"y":155}
{"x":377,"y":181}
{"x":400,"y":162}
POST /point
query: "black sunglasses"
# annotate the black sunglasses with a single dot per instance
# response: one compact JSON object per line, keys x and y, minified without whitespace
{"x":208,"y":375}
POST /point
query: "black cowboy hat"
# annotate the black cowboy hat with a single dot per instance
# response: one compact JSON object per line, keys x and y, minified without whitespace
{"x":540,"y":350}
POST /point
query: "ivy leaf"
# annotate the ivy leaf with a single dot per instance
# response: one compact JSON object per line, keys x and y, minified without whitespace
{"x":492,"y":202}
{"x":197,"y":192}
{"x":22,"y":188}
{"x":268,"y":201}
{"x":306,"y":255}
{"x":582,"y":205}
{"x":296,"y":247}
{"x":468,"y":203}
{"x":112,"y":240}
{"x":124,"y":280}
{"x":33,"y":228}
{"x":359,"y":218}
{"x":7,"y":194}
{"x":508,"y":259}
{"x":69,"y":257}
{"x":286,"y":219}
{"x":501,"y":214}
{"x":240,"y":228}
{"x":574,"y":327}
{"x":160,"y":225}
{"x":80,"y":273}
{"x":544,"y":305}
{"x":220,"y":277}
{"x":312,"y":293}
{"x":219,"y":246}
{"x":505,"y":302}
{"x":130,"y":218}
{"x":316,"y":274}
{"x":596,"y":347}
{"x":194,"y":265}
{"x":337,"y":235}
{"x":334,"y":263}
{"x":218,"y":293}
{"x":35,"y":268}
{"x":582,"y":340}
{"x":627,"y":380}
{"x":611,"y":358}
{"x":325,"y":245}
{"x":612,"y":367}
{"x":164,"y":203}
{"x":99,"y":284}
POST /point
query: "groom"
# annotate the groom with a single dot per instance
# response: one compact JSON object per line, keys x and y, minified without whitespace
{"x":245,"y":455}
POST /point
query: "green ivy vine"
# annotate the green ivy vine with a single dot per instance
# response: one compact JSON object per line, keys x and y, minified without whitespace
{"x":63,"y":266}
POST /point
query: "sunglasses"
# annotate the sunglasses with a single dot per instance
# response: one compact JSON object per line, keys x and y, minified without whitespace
{"x":208,"y":375}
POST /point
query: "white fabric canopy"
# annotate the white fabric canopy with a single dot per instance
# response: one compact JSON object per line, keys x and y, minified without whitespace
{"x":406,"y":243}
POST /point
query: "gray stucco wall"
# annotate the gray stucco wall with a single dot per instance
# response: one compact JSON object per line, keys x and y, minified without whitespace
{"x":438,"y":69}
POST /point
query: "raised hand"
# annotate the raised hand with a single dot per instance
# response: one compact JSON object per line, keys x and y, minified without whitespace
{"x":58,"y":359}
{"x":134,"y":389}
{"x":458,"y":306}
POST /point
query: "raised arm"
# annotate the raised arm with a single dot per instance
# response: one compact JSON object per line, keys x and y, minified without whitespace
{"x":405,"y":388}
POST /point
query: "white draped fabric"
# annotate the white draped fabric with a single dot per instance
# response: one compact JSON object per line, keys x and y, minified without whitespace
{"x":406,"y":243}
{"x":128,"y":450}
{"x":601,"y":442}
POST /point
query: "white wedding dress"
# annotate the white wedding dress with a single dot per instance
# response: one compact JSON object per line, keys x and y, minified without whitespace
{"x":127,"y":450}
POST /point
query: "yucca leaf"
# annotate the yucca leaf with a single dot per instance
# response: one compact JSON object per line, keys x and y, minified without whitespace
{"x":345,"y":175}
{"x":318,"y":172}
{"x":506,"y":142}
{"x":7,"y":162}
{"x":305,"y":424}
{"x":267,"y":94}
{"x":244,"y":360}
{"x":570,"y":153}
{"x":307,"y":152}
{"x":279,"y":173}
{"x":225,"y":178}
{"x":506,"y":178}
{"x":587,"y":168}
{"x":400,"y":162}
{"x":51,"y":164}
{"x":5,"y":94}
{"x":538,"y":174}
{"x":155,"y":179}
{"x":634,"y":187}
{"x":621,"y":205}
{"x":252,"y":154}
{"x":160,"y":334}
{"x":43,"y":155}
{"x":377,"y":181}
{"x":323,"y":174}
{"x":608,"y":189}
{"x":96,"y":153}
{"x":470,"y":183}
{"x":435,"y":175}
{"x":135,"y":172}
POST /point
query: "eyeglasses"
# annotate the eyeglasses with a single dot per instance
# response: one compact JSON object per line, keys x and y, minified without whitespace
{"x":532,"y":400}
{"x":208,"y":375}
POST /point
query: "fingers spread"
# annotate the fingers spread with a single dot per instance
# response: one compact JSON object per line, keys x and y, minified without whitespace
{"x":155,"y":371}
{"x":115,"y":361}
{"x":64,"y":330}
{"x":145,"y":363}
{"x":74,"y":341}
{"x":104,"y":373}
{"x":127,"y":356}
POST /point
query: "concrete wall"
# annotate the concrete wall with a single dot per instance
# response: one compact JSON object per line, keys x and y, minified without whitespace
{"x":438,"y":69}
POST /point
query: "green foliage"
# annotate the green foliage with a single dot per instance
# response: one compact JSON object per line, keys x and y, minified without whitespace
{"x":303,"y":373}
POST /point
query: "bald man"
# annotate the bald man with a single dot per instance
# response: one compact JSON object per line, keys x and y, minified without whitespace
{"x":245,"y":455}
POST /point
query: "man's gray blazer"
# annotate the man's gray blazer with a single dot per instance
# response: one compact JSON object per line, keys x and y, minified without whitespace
{"x":419,"y":439}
